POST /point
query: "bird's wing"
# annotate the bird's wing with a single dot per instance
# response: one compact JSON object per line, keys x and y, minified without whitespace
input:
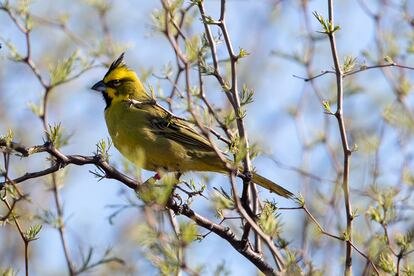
{"x":168,"y":125}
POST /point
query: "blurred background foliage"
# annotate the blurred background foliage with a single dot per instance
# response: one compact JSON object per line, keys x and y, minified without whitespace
{"x":111,"y":231}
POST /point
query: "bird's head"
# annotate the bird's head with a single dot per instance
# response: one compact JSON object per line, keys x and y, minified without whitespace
{"x":120,"y":83}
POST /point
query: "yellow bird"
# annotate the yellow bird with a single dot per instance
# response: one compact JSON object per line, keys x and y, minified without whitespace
{"x":153,"y":138}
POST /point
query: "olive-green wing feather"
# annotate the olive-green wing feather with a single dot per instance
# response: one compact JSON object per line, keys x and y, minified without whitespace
{"x":179,"y":130}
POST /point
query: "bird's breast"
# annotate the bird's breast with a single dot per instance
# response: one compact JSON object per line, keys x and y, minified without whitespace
{"x":132,"y":135}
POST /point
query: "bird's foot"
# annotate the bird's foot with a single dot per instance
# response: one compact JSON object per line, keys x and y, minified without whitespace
{"x":157,"y":176}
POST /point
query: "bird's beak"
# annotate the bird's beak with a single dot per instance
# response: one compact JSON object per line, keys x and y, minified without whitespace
{"x":99,"y":86}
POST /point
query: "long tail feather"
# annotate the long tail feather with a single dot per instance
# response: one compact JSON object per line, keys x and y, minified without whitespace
{"x":271,"y":186}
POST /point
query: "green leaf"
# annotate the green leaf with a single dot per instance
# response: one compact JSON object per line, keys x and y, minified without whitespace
{"x":162,"y":252}
{"x":37,"y":109}
{"x":404,"y":87}
{"x":56,"y":137}
{"x":188,"y":232}
{"x":167,"y":70}
{"x":349,"y":64}
{"x":242,"y":53}
{"x":327,"y":26}
{"x":8,"y":272}
{"x":346,"y":236}
{"x":336,"y":28}
{"x":11,"y":191}
{"x":205,"y":68}
{"x":196,"y":2}
{"x":208,"y":19}
{"x":175,"y":5}
{"x":194,"y":90}
{"x":229,"y":118}
{"x":238,"y":148}
{"x":28,"y":22}
{"x":23,"y":7}
{"x":158,"y":20}
{"x":32,"y":233}
{"x":396,"y":116}
{"x":221,"y":201}
{"x":355,"y":147}
{"x":408,"y":270}
{"x":404,"y":241}
{"x":5,"y":5}
{"x":389,"y":60}
{"x":386,"y":263}
{"x":300,"y":200}
{"x":60,"y":71}
{"x":384,"y":211}
{"x":246,"y":95}
{"x":8,"y":137}
{"x":408,"y":177}
{"x":48,"y":217}
{"x":374,"y":213}
{"x":102,"y":148}
{"x":327,"y":107}
{"x":268,"y":220}
{"x":14,"y":53}
{"x":241,"y":114}
{"x":192,"y":47}
{"x":158,"y":194}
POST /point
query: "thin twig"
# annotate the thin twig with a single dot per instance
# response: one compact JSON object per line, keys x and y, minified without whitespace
{"x":342,"y":129}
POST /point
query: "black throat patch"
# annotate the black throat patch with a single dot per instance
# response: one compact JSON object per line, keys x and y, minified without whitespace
{"x":107,"y":99}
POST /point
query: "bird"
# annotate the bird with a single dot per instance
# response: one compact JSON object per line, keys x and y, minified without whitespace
{"x":152,"y":137}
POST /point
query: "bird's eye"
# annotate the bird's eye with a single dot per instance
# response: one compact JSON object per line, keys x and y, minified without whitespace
{"x":116,"y":83}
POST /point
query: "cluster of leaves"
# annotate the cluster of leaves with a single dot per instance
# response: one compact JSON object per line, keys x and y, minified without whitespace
{"x":162,"y":248}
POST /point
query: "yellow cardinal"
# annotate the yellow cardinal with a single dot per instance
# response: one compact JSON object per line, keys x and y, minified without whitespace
{"x":152,"y":137}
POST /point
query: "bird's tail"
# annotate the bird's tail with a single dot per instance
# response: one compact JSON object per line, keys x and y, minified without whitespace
{"x":271,"y":186}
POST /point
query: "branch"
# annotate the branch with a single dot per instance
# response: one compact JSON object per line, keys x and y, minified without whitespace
{"x":342,"y":129}
{"x":62,"y":160}
{"x":225,"y":233}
